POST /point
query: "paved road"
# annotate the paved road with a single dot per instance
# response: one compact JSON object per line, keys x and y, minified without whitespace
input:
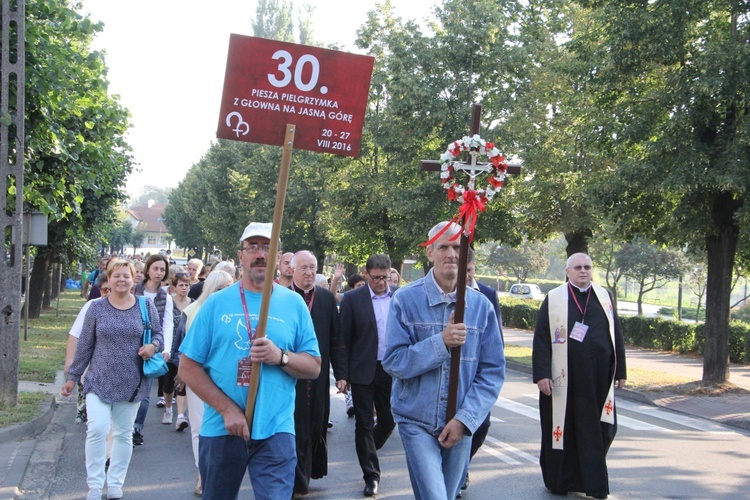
{"x":648,"y":460}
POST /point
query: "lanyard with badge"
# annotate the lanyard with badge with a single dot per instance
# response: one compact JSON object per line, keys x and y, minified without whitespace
{"x":579,"y":329}
{"x":245,"y":366}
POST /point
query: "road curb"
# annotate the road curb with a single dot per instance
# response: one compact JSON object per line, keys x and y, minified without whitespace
{"x":31,"y":428}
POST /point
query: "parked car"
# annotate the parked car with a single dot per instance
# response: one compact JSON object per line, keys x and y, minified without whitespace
{"x":526,"y":291}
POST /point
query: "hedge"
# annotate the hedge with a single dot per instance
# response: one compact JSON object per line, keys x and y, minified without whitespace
{"x":654,"y":333}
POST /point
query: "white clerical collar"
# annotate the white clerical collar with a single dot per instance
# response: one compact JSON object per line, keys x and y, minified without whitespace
{"x":474,"y":284}
{"x":582,"y":290}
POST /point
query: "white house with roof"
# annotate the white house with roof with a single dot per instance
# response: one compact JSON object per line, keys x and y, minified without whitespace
{"x":149,"y":219}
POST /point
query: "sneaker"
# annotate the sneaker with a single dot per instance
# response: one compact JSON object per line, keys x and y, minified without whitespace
{"x":94,"y":494}
{"x":174,"y":401}
{"x":182,"y":423}
{"x":161,"y":403}
{"x":114,"y":492}
{"x":466,"y":482}
{"x":137,"y":438}
{"x":167,"y":418}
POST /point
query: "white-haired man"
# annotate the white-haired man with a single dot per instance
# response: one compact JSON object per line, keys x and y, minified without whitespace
{"x":578,"y":360}
{"x":420,"y":333}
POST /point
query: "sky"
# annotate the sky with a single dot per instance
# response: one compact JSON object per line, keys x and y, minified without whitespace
{"x":166,"y":61}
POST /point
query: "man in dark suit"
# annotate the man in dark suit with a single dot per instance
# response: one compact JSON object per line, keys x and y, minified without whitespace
{"x":477,"y":439}
{"x":364,"y":312}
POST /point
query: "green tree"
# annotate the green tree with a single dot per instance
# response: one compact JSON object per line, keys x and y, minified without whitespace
{"x":528,"y":259}
{"x":648,"y":266}
{"x":673,"y":80}
{"x":604,"y":254}
{"x":77,"y":159}
{"x":159,"y":194}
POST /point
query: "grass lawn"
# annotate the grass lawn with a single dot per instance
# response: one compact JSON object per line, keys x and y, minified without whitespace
{"x":44,"y":351}
{"x":42,"y":355}
{"x":28,"y":407}
{"x":639,"y":380}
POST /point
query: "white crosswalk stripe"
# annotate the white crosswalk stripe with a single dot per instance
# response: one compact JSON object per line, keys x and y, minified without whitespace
{"x":510,"y":448}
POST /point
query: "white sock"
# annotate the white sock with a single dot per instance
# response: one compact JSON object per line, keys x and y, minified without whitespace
{"x":180,"y":415}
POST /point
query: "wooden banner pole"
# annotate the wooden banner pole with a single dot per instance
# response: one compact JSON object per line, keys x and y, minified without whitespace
{"x":273,"y":251}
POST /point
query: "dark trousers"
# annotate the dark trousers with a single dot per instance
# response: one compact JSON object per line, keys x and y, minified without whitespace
{"x":477,"y":439}
{"x":368,"y":437}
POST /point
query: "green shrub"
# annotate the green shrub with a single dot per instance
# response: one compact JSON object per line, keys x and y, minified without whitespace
{"x":742,"y":314}
{"x":519,"y":313}
{"x":658,"y":333}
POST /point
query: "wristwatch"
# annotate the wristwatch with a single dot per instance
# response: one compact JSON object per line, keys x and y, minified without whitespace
{"x":284,"y":358}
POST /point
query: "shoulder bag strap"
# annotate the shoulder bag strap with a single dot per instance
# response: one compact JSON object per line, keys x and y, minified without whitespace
{"x":146,"y":320}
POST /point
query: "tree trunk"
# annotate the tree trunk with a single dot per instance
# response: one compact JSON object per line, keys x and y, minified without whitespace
{"x":36,"y":285}
{"x":613,"y":293}
{"x":679,"y":301}
{"x":578,"y":242}
{"x":46,"y":298}
{"x":721,"y":246}
{"x":640,"y":300}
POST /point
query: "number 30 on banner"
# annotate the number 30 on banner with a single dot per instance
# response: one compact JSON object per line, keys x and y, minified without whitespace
{"x":284,"y":68}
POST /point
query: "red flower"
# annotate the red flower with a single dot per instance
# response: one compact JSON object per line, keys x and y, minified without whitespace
{"x":489,"y":146}
{"x":494,"y":182}
{"x":452,"y":196}
{"x":499,"y":162}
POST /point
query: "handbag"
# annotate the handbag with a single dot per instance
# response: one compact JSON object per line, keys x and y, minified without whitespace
{"x":155,"y":366}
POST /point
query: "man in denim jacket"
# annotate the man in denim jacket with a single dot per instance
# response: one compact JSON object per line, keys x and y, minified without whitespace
{"x":420,"y":335}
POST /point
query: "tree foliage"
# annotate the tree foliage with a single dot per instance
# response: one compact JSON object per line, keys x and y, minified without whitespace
{"x":648,"y":266}
{"x":673,"y":80}
{"x":521,"y":262}
{"x":76,"y":158}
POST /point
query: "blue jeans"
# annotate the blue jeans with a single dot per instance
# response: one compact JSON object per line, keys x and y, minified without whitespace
{"x":436,"y":473}
{"x":269,"y":462}
{"x":140,"y":418}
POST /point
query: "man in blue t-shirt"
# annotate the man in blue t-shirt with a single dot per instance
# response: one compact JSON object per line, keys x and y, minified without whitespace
{"x":216,"y":364}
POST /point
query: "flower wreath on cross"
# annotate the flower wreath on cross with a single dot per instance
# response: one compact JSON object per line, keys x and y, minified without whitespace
{"x":457,"y":191}
{"x":472,"y":200}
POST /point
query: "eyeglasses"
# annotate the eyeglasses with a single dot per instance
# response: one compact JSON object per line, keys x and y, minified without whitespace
{"x":586,"y":267}
{"x":378,"y":278}
{"x":106,"y":289}
{"x":308,"y":269}
{"x":181,"y":275}
{"x":254,"y":247}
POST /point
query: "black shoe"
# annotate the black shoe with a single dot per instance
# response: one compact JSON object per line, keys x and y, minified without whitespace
{"x":371,"y":488}
{"x":350,"y":411}
{"x":137,"y":438}
{"x":559,"y":492}
{"x":466,"y":482}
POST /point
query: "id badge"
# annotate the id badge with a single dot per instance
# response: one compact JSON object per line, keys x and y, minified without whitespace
{"x":244,"y":370}
{"x":579,"y":331}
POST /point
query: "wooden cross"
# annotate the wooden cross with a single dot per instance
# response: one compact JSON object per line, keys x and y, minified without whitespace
{"x":472,"y":169}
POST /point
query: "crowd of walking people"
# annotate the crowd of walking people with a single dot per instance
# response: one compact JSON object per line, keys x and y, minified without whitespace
{"x":387,"y":346}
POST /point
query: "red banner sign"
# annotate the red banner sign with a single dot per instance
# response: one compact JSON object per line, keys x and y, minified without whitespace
{"x":269,"y":84}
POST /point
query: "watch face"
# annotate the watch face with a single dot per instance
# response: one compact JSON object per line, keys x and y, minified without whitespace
{"x":284,"y":359}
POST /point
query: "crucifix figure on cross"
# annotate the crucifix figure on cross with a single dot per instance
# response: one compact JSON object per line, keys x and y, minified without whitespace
{"x":473,"y":200}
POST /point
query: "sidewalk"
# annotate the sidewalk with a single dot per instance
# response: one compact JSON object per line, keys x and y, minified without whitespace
{"x":17,"y":443}
{"x":728,"y":409}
